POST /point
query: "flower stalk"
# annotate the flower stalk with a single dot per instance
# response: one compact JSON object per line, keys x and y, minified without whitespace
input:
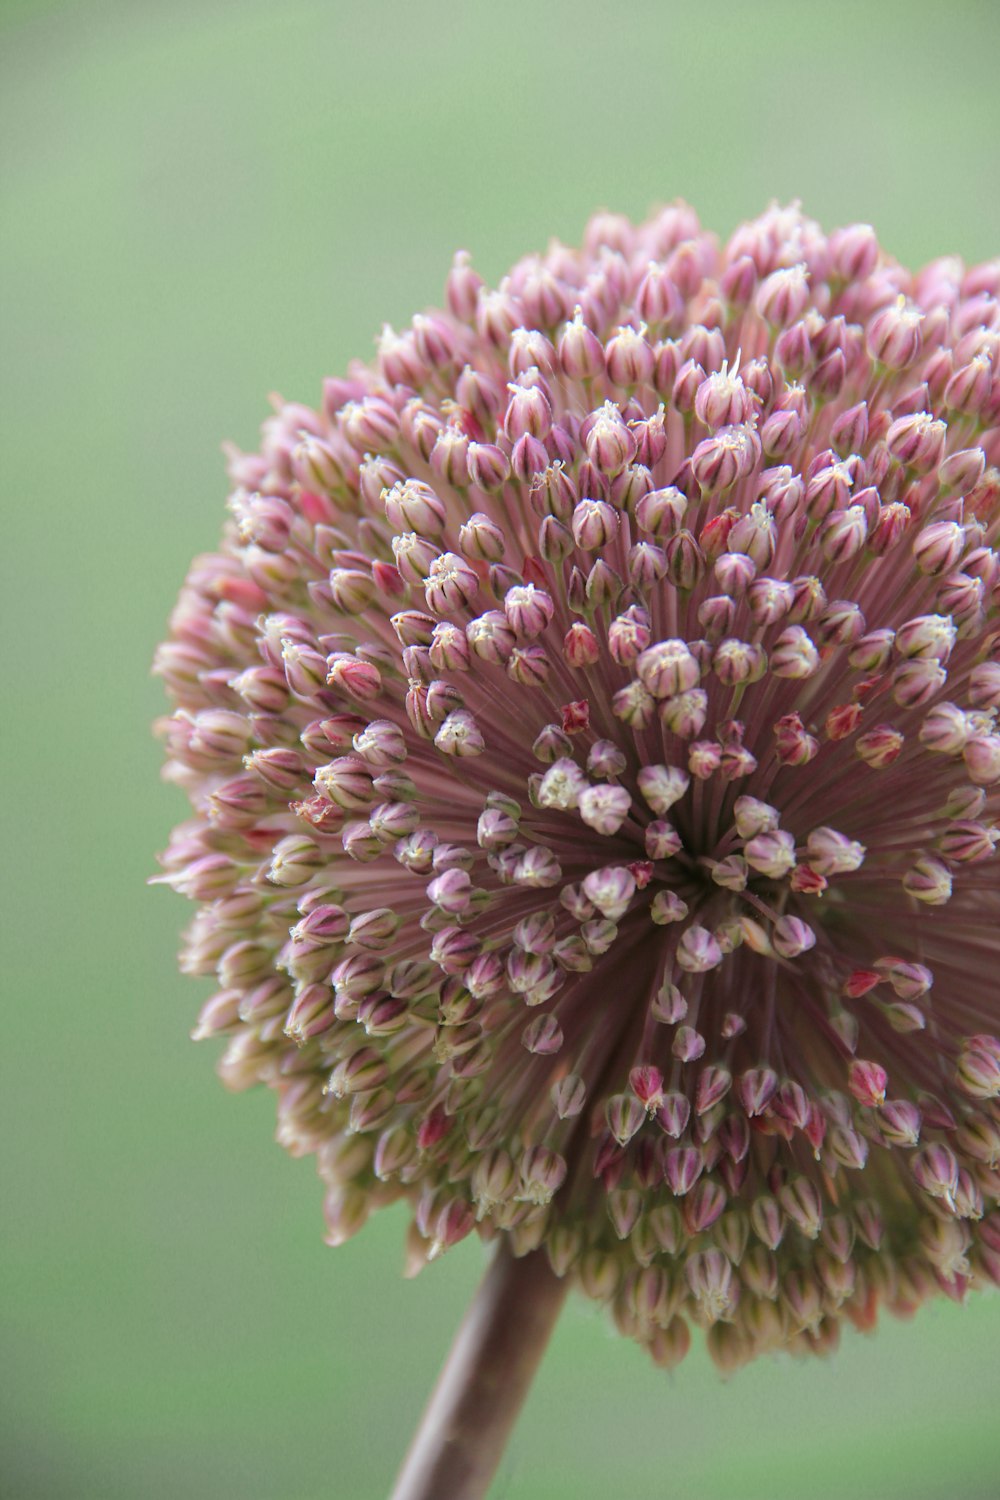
{"x":484,"y":1381}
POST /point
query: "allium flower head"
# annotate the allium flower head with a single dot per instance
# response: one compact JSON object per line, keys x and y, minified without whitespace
{"x":590,"y":720}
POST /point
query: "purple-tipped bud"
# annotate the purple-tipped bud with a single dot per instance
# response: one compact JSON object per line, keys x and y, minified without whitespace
{"x":722,"y":400}
{"x":710,"y":1277}
{"x":609,"y":443}
{"x":661,"y":512}
{"x":936,"y":1171}
{"x":667,"y":668}
{"x":917,"y":441}
{"x":662,"y":786}
{"x":982,"y":759}
{"x":604,"y":808}
{"x":928,"y":880}
{"x":771,"y":854}
{"x":610,"y":890}
{"x":541,"y":1174}
{"x":594,"y":524}
{"x":894,"y":335}
{"x":698,"y":950}
{"x":658,"y":301}
{"x":581,"y":353}
{"x":488,"y":467}
{"x":784,"y":296}
{"x":721,"y":460}
{"x":629,"y":358}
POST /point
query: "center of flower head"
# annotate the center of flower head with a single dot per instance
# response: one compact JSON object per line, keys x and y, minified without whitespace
{"x":588,"y":722}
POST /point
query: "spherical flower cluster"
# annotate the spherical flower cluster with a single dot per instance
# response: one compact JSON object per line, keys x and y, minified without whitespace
{"x":590,"y":720}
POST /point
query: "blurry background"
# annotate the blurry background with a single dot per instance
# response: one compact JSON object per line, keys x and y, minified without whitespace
{"x":206,"y":200}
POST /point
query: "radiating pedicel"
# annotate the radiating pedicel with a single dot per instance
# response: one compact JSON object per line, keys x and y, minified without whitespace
{"x":590,"y":722}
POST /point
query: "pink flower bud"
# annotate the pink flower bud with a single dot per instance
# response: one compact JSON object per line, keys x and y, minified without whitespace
{"x":781,"y":434}
{"x":580,"y":646}
{"x":667,"y":907}
{"x":794,"y":747}
{"x":936,"y":1171}
{"x":710,"y":1278}
{"x":961,"y":472}
{"x":735,"y":661}
{"x":528,"y":412}
{"x":829,"y":489}
{"x":688,"y":1045}
{"x":793,"y":654}
{"x":854,"y":252}
{"x":370,"y":424}
{"x":771,"y":854}
{"x":658,"y":302}
{"x":610,"y":889}
{"x":462,"y":287}
{"x":917,"y":441}
{"x":681,"y":1169}
{"x":792,"y":937}
{"x":945,"y":729}
{"x":833,"y":853}
{"x":529,"y":610}
{"x":894,"y":337}
{"x":849,"y":433}
{"x":685,"y":714}
{"x":880,"y":746}
{"x":968,"y":842}
{"x":666,"y":669}
{"x":801,"y":1202}
{"x":624,"y":1115}
{"x":982,"y":758}
{"x":450,"y":585}
{"x":698,"y":951}
{"x":595,"y":524}
{"x":488,"y":467}
{"x":581,"y":353}
{"x":867,"y":1082}
{"x":978,"y":1067}
{"x":610,"y":444}
{"x":553,"y":492}
{"x":915,"y":682}
{"x":784,"y":296}
{"x":844,"y":534}
{"x":929,"y":881}
{"x":728,"y":456}
{"x":927,"y":636}
{"x":568,"y":1096}
{"x":939,"y":546}
{"x":459,"y":735}
{"x":968,"y":390}
{"x":769,"y":599}
{"x":704,"y":759}
{"x":685,"y":561}
{"x":716,"y":616}
{"x":722,"y":400}
{"x":604,"y":808}
{"x":413,"y":506}
{"x":629,"y":358}
{"x":541,"y":1173}
{"x":739,"y":282}
{"x":754,"y":535}
{"x":491,"y":637}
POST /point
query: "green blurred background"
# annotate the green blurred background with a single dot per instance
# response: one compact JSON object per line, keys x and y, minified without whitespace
{"x":204,"y":202}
